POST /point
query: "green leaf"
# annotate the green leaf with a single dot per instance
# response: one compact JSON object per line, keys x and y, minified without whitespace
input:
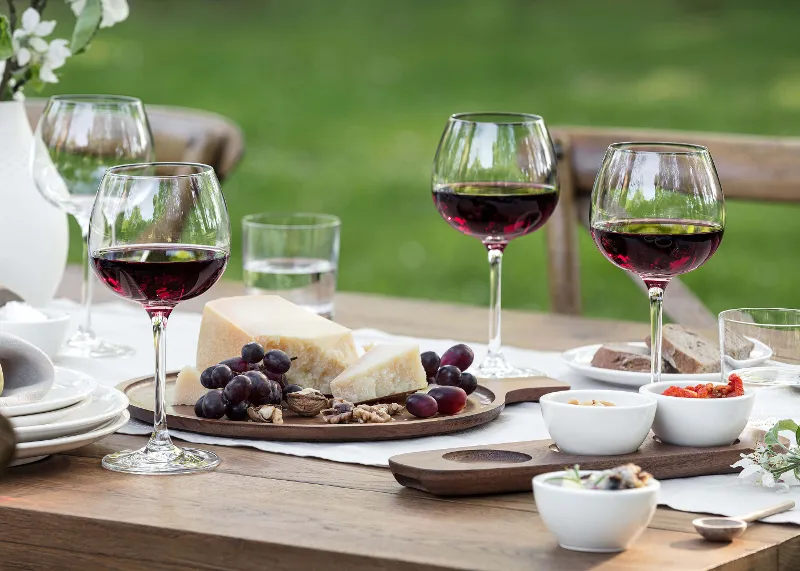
{"x":86,"y":26}
{"x":772,"y":437}
{"x":6,"y":49}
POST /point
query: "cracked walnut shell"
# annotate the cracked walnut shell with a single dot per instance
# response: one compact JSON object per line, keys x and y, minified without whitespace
{"x":307,"y":402}
{"x":265,"y":413}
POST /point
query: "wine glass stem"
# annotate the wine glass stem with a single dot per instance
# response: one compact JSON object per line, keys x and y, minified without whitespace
{"x":656,"y":294}
{"x":85,"y":327}
{"x":159,"y":439}
{"x":495,"y":313}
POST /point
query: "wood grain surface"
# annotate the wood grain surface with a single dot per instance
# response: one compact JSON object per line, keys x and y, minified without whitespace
{"x":265,"y":511}
{"x":483,"y":405}
{"x":509,"y":467}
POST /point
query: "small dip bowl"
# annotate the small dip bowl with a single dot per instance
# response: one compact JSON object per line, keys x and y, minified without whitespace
{"x":599,"y":521}
{"x":698,"y":422}
{"x":47,"y":335}
{"x":598,"y":430}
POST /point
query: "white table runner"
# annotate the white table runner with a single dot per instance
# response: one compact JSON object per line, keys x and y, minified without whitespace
{"x":128,"y":324}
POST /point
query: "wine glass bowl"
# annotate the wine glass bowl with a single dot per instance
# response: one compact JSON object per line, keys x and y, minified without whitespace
{"x":494,"y":178}
{"x":77,"y":138}
{"x":159,"y":235}
{"x":657,"y":210}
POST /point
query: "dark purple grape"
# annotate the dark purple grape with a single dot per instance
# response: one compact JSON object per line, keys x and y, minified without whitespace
{"x":237,"y":411}
{"x":221,"y":376}
{"x":238,"y":389}
{"x":422,"y":405}
{"x":266,"y":392}
{"x":291,"y":389}
{"x":276,"y":361}
{"x":280,"y":379}
{"x":430,"y":362}
{"x":236,"y":364}
{"x":198,"y":407}
{"x":214,"y":404}
{"x":448,"y":376}
{"x":253,"y":352}
{"x":206,"y":380}
{"x":460,"y":356}
{"x":451,"y":400}
{"x":468,"y":382}
{"x":255,"y":376}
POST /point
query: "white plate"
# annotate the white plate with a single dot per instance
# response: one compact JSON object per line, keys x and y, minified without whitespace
{"x":69,"y":387}
{"x":760,"y":353}
{"x":105,"y":404}
{"x":580,"y":360}
{"x":47,"y":417}
{"x":28,"y":452}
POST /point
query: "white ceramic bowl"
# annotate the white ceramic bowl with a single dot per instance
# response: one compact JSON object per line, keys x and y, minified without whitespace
{"x":48,"y":335}
{"x":595,"y":430}
{"x":600,"y":521}
{"x":698,"y":422}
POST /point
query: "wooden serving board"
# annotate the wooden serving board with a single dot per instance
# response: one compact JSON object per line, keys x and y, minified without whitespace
{"x":484,"y":405}
{"x":510,"y":467}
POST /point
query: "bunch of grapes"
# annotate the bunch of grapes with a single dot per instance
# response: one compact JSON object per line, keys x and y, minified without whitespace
{"x":450,"y":397}
{"x":256,"y":378}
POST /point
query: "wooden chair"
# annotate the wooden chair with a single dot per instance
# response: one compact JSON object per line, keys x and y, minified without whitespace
{"x":186,"y":135}
{"x":749,"y":167}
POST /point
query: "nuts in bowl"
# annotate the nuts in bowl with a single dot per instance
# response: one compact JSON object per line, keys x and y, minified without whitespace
{"x":599,"y":429}
{"x":684,"y":418}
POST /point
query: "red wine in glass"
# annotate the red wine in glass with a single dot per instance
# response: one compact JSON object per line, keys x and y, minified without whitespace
{"x":496,"y":212}
{"x":159,"y":275}
{"x":657,"y":249}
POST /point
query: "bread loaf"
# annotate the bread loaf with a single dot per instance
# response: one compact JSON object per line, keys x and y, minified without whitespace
{"x":688,"y":352}
{"x":625,"y":357}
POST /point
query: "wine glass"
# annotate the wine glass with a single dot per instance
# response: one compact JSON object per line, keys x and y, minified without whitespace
{"x":159,"y":234}
{"x":494,"y":178}
{"x":657,"y":211}
{"x":78,"y":137}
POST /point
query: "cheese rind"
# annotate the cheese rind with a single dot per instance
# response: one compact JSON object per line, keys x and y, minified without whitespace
{"x":323,"y":348}
{"x":187,"y":387}
{"x":383,"y":371}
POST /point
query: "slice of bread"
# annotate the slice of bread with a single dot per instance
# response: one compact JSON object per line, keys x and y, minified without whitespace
{"x":687,"y":351}
{"x":737,"y":346}
{"x":625,"y":357}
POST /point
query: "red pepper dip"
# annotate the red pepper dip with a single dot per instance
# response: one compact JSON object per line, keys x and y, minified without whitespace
{"x":734,"y":388}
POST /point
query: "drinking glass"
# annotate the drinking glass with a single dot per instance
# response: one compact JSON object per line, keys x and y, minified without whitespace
{"x":657,"y":211}
{"x":494,"y":178}
{"x":762,"y":346}
{"x":159,"y":234}
{"x":78,"y":137}
{"x":294,"y":256}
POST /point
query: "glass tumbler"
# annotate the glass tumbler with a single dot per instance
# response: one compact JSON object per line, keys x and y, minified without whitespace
{"x":295,"y":256}
{"x":762,"y":346}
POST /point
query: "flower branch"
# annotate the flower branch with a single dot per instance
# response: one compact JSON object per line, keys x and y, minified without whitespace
{"x":773,"y":463}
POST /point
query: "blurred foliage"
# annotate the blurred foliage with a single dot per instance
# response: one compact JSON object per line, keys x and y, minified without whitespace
{"x":343,"y":102}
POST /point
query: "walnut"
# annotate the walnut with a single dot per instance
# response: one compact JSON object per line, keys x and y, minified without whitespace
{"x":391,"y":408}
{"x":265,"y":413}
{"x":340,"y":412}
{"x":308,"y":402}
{"x":364,"y":413}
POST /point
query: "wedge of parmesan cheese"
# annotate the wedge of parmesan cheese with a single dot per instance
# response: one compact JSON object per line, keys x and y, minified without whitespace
{"x":383,"y":371}
{"x":187,"y":387}
{"x":322,"y":348}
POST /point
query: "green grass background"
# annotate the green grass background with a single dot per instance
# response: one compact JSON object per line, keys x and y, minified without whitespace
{"x":342,"y":103}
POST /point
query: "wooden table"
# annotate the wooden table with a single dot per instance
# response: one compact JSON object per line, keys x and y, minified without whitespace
{"x":262,"y":511}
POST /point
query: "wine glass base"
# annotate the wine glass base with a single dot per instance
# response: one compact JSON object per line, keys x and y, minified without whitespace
{"x":496,"y":367}
{"x":171,"y":461}
{"x":88,"y":346}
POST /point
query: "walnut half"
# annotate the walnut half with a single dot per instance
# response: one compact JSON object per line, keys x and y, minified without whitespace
{"x":265,"y":413}
{"x":308,"y":402}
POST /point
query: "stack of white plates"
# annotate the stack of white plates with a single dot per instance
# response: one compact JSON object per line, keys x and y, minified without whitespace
{"x":75,"y":412}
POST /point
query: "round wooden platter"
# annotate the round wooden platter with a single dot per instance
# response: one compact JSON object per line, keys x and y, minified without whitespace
{"x":484,"y":405}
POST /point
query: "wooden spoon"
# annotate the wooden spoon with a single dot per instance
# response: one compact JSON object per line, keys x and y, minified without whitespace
{"x":728,"y":528}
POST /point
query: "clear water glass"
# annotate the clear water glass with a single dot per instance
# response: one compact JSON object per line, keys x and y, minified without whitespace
{"x":77,"y":138}
{"x":295,"y":256}
{"x":762,"y":346}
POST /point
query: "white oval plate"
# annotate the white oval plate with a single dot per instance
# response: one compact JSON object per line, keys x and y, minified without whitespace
{"x":580,"y":360}
{"x":760,"y":353}
{"x":28,"y":452}
{"x":69,"y":387}
{"x":47,"y":417}
{"x":105,"y":404}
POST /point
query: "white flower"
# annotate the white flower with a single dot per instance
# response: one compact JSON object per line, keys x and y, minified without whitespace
{"x":114,"y":11}
{"x":57,"y":54}
{"x":27,"y":40}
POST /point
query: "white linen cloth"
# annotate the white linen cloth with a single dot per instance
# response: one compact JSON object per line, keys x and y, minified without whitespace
{"x":128,"y":324}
